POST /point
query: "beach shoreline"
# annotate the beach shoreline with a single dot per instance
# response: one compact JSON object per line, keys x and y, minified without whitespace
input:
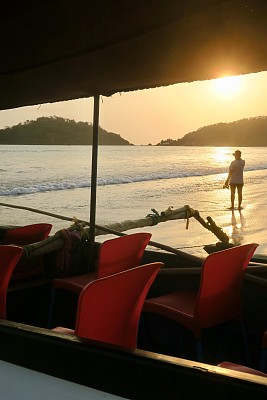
{"x":134,"y":183}
{"x":242,"y":226}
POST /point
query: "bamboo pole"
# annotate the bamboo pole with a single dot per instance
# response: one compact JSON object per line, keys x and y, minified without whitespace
{"x":56,"y":241}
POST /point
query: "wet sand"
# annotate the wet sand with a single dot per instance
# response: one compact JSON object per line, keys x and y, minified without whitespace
{"x":242,"y":226}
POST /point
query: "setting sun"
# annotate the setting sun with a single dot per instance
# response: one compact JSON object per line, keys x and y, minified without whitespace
{"x":228,"y":86}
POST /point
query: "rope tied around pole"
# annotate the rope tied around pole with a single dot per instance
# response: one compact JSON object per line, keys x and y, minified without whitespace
{"x":155,"y":217}
{"x":79,"y":225}
{"x":63,"y":261}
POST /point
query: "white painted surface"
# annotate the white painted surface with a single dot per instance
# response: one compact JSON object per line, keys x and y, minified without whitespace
{"x":24,"y":384}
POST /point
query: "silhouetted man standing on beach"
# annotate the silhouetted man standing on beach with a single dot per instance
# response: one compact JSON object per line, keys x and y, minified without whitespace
{"x":235,"y":178}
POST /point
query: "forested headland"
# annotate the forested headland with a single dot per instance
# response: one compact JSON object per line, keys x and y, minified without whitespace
{"x":245,"y":132}
{"x":57,"y":131}
{"x":60,"y":131}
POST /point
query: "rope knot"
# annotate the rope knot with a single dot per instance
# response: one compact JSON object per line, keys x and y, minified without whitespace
{"x":154,"y":217}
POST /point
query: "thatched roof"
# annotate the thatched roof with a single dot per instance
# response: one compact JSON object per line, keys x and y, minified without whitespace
{"x":54,"y":50}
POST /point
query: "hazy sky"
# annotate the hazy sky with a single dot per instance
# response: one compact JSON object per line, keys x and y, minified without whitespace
{"x":149,"y":116}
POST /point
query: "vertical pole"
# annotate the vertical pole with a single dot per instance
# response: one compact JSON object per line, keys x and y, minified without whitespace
{"x":93,"y":180}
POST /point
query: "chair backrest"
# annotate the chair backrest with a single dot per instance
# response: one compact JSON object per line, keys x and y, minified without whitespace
{"x":9,"y":257}
{"x":219,"y":297}
{"x":121,"y":253}
{"x":26,"y":235}
{"x":109,"y":308}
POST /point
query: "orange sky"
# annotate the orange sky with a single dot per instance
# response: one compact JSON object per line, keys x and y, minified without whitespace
{"x":149,"y":116}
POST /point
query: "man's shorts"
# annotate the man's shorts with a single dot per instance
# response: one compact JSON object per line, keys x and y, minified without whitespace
{"x":236,"y":185}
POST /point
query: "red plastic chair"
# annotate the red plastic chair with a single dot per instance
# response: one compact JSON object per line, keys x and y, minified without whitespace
{"x":263,"y":360}
{"x":241,"y":368}
{"x":115,"y":255}
{"x":9,"y":257}
{"x":109,"y":308}
{"x":219,"y":296}
{"x":26,"y":235}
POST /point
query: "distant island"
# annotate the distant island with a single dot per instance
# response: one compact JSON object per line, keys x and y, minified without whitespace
{"x":57,"y":131}
{"x":245,"y":132}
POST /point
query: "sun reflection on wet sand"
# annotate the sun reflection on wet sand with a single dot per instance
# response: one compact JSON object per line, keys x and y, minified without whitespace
{"x":237,"y":225}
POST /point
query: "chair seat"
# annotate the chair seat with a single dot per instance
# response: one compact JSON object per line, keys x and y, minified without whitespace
{"x":178,"y":306}
{"x":109,"y":308}
{"x":241,"y":368}
{"x":115,"y":255}
{"x":74,"y":283}
{"x":218,"y":298}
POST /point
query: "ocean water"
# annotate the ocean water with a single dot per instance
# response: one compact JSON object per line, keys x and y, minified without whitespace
{"x":132,"y":180}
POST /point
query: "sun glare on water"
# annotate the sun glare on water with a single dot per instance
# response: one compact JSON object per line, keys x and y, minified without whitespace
{"x":228,"y":86}
{"x":221,"y":155}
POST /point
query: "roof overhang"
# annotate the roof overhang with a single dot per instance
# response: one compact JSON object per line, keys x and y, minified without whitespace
{"x":67,"y":49}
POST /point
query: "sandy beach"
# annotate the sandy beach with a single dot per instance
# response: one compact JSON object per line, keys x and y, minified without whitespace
{"x":241,"y":226}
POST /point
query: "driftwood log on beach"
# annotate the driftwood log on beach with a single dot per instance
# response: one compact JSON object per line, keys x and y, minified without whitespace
{"x":80,"y":227}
